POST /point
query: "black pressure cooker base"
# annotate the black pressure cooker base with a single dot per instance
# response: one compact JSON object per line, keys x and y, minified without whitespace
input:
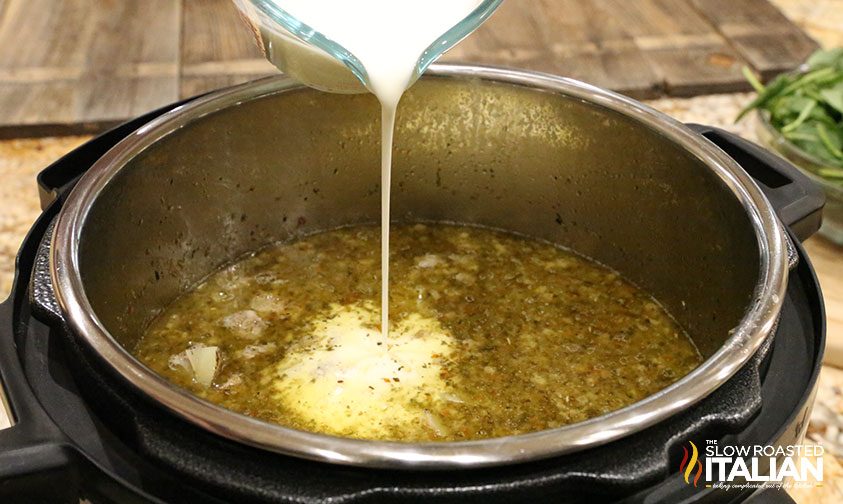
{"x":87,"y":434}
{"x":122,"y":448}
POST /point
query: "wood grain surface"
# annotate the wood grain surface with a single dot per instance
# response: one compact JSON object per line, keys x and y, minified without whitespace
{"x":577,"y":39}
{"x":79,"y":65}
{"x":759,"y":32}
{"x":688,"y":54}
{"x":217,"y":50}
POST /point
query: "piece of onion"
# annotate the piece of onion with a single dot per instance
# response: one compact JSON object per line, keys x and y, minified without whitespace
{"x":434,"y":423}
{"x":203,"y":361}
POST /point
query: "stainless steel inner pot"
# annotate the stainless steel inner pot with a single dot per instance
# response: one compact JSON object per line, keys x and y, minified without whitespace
{"x":544,"y":156}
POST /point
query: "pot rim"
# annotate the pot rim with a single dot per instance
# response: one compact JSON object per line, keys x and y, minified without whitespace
{"x":758,"y":321}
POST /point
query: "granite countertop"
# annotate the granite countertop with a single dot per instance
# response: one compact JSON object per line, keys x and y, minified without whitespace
{"x":21,"y":160}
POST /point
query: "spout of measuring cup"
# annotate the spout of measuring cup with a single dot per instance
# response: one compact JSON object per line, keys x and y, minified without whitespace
{"x":300,"y":51}
{"x":305,"y":54}
{"x":453,"y":36}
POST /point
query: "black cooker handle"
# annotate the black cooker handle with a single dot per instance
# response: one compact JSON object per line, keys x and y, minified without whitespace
{"x":796,"y":199}
{"x":35,"y":456}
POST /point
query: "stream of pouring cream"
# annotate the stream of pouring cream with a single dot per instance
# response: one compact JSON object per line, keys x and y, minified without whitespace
{"x":388,"y":37}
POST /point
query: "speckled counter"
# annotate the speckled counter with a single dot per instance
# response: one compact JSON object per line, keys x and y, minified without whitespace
{"x":20,"y":162}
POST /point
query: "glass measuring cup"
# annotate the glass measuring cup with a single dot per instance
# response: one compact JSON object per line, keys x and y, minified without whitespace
{"x":310,"y":57}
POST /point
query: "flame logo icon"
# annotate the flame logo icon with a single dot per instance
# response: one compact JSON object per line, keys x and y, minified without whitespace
{"x":687,"y":467}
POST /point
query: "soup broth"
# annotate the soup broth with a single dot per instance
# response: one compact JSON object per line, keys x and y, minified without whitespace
{"x":491,"y":335}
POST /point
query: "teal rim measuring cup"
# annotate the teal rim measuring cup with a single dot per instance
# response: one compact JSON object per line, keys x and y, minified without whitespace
{"x":309,"y":56}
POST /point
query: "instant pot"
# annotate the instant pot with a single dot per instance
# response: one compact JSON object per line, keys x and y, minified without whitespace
{"x":708,"y":223}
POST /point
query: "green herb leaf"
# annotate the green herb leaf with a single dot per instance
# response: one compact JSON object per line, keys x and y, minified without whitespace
{"x":766,"y":95}
{"x":831,"y":141}
{"x":807,"y":107}
{"x":831,"y":57}
{"x":806,"y":111}
{"x":832,"y":173}
{"x":834,"y":96}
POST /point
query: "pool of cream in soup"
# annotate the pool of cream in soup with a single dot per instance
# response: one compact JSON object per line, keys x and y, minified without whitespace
{"x":492,"y":335}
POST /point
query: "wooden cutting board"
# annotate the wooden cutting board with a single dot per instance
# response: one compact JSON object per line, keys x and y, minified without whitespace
{"x":79,"y":65}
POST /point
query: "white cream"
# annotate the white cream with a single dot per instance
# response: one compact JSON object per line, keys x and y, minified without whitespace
{"x":388,"y":37}
{"x":349,"y":379}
